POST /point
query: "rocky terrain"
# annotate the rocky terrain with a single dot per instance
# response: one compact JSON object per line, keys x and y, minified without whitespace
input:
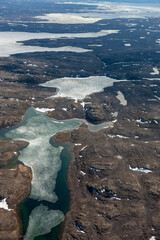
{"x":114,"y":176}
{"x":110,"y":189}
{"x":15,"y":187}
{"x":8,"y":151}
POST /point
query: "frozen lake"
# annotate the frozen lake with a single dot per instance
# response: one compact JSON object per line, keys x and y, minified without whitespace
{"x":118,"y":9}
{"x":79,"y":88}
{"x":12,"y":42}
{"x":45,"y":162}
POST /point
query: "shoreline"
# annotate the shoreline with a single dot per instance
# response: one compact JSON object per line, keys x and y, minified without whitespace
{"x":96,"y":179}
{"x":20,"y":177}
{"x":63,"y":224}
{"x":24,"y":145}
{"x":65,"y":138}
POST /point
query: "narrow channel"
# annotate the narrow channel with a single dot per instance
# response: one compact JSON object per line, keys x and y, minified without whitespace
{"x":62,"y":204}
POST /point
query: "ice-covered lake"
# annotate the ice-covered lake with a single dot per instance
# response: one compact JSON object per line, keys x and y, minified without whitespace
{"x":79,"y":88}
{"x":45,"y":162}
{"x":12,"y":42}
{"x":116,"y":9}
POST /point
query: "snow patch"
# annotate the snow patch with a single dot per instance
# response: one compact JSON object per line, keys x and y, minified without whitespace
{"x":155,"y":71}
{"x":153,"y":238}
{"x":127,"y":45}
{"x":115,"y":198}
{"x":121,"y":98}
{"x":114,"y":114}
{"x":83,"y":148}
{"x":95,"y":45}
{"x":4,"y":205}
{"x":119,"y":136}
{"x":43,"y":110}
{"x":141,"y":121}
{"x":145,"y":170}
{"x":83,"y":173}
{"x":65,"y":109}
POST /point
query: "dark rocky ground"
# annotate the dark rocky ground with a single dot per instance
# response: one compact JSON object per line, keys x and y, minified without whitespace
{"x":101,"y":171}
{"x":8,"y":150}
{"x":108,"y":199}
{"x":111,"y":57}
{"x":15,"y":187}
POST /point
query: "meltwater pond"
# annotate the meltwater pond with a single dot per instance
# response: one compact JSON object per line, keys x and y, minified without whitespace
{"x":45,"y":162}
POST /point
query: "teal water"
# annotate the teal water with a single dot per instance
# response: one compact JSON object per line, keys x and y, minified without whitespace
{"x":62,"y":203}
{"x":98,"y":127}
{"x":44,"y":210}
